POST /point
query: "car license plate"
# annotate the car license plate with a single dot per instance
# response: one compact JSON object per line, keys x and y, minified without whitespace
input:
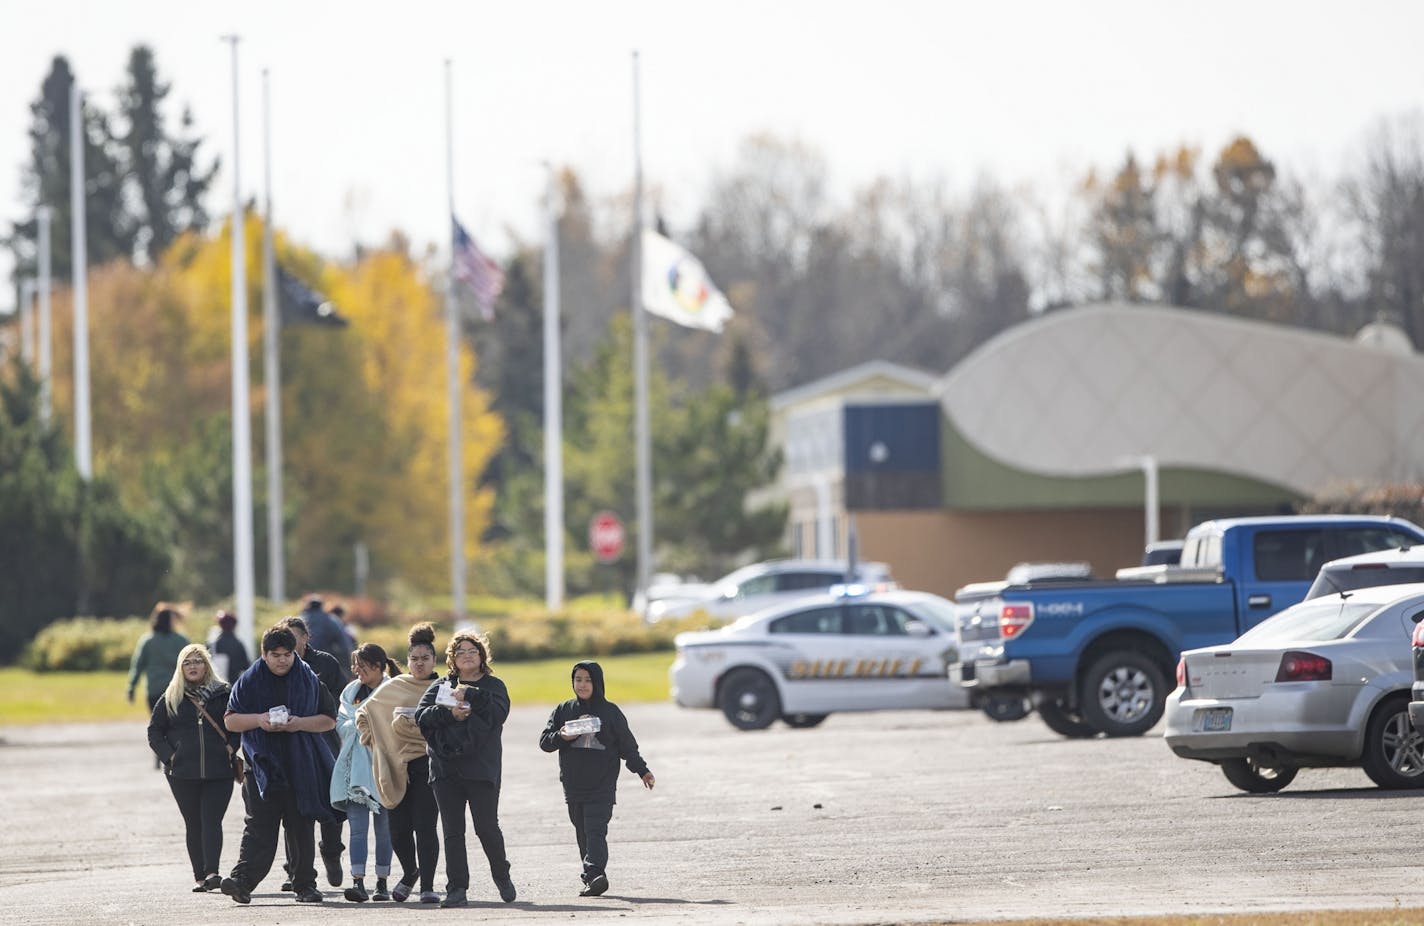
{"x":1216,"y":720}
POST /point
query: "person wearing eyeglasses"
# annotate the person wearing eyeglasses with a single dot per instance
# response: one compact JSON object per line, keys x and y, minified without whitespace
{"x":195,"y":758}
{"x":462,"y":718}
{"x":386,"y":723}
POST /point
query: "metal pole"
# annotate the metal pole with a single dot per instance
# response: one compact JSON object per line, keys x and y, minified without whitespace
{"x":241,"y":404}
{"x":452,"y":370}
{"x":1151,"y":500}
{"x":45,"y":346}
{"x":27,"y":321}
{"x":553,"y":410}
{"x":642,"y":438}
{"x":83,"y":453}
{"x":272,"y":373}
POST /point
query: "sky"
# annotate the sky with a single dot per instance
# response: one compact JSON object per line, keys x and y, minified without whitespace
{"x":1032,"y":92}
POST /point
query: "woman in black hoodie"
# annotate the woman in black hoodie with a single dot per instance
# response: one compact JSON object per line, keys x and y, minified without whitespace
{"x":194,"y":754}
{"x":466,"y":755}
{"x":588,"y":766}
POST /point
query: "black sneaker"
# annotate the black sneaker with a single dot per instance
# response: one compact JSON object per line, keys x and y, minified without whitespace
{"x":454,"y":898}
{"x":236,"y":891}
{"x":333,"y":869}
{"x":287,"y":887}
{"x":356,"y":893}
{"x":310,"y":895}
{"x":506,"y":889}
{"x":381,"y":893}
{"x":597,"y":886}
{"x":212,"y":883}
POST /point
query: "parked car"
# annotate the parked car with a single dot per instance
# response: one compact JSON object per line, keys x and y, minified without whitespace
{"x":1323,"y":683}
{"x":671,"y":588}
{"x":1095,"y":656}
{"x":846,"y":650}
{"x":1382,"y":567}
{"x":1163,"y":553}
{"x":773,"y":582}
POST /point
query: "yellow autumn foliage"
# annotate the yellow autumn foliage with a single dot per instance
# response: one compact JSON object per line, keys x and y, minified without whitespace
{"x":364,"y":408}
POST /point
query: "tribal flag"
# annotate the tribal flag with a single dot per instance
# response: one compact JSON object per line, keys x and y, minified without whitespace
{"x":676,"y":287}
{"x":302,"y":305}
{"x":476,"y":270}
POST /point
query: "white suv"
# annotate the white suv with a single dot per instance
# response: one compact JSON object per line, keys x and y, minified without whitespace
{"x":774,"y":582}
{"x":1366,"y":570}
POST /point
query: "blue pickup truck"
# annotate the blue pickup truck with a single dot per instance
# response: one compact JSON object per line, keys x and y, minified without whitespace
{"x":1096,"y":656}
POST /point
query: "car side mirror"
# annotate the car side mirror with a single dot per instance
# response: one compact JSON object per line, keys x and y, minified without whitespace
{"x":727,"y":592}
{"x":1417,"y":616}
{"x":921,"y":629}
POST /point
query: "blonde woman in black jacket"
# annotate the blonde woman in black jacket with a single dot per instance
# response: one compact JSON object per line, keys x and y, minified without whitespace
{"x":195,"y":759}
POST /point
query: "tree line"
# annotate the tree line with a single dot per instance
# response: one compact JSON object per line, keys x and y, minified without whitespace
{"x":908,"y":270}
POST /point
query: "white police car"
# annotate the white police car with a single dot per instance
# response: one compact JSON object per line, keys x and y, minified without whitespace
{"x":846,"y":650}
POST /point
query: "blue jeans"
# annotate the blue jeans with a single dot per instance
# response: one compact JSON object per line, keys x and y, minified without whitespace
{"x":357,"y":816}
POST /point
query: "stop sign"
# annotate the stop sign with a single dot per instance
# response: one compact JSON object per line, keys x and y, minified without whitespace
{"x":605,"y":536}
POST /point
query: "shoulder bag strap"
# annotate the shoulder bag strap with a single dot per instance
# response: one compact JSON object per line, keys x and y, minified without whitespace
{"x":209,"y":718}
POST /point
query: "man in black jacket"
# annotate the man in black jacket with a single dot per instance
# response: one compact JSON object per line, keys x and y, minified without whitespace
{"x":328,"y":670}
{"x":588,"y":766}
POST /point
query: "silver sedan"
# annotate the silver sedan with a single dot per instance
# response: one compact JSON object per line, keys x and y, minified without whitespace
{"x":1323,"y":683}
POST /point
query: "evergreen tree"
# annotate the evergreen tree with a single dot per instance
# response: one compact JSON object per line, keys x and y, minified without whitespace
{"x":45,"y":181}
{"x":67,"y":545}
{"x":167,"y":182}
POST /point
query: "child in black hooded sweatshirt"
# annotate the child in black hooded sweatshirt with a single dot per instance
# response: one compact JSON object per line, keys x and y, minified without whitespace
{"x":588,"y":768}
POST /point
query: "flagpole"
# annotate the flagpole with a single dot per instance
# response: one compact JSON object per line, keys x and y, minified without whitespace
{"x":45,"y":347}
{"x":272,"y":372}
{"x":553,"y":410}
{"x":452,"y":377}
{"x":27,"y":320}
{"x":640,"y":358}
{"x":83,"y":454}
{"x":241,"y":406}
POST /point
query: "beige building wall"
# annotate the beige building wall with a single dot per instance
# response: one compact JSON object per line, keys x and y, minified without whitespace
{"x":939,"y":551}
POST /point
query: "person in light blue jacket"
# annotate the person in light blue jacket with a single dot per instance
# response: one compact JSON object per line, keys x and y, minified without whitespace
{"x":353,"y":781}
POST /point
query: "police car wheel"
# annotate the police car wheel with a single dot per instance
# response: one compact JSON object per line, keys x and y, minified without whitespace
{"x":749,"y":700}
{"x":804,"y":721}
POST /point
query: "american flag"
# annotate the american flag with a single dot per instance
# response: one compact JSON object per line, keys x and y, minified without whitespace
{"x":476,"y":270}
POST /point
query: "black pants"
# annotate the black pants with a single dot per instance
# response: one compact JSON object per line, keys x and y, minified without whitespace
{"x":452,"y":794}
{"x":590,"y":820}
{"x":259,"y":837}
{"x":202,"y":802}
{"x":413,"y":822}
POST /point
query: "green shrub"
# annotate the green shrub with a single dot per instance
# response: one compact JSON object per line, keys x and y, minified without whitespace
{"x":518,"y":631}
{"x":85,"y":644}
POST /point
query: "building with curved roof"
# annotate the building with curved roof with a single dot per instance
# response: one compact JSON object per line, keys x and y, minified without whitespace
{"x":1043,"y":433}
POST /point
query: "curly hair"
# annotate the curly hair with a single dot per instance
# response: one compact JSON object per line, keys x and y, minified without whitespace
{"x":480,"y":642}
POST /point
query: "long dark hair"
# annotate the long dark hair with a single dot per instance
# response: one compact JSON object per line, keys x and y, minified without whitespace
{"x":373,"y":655}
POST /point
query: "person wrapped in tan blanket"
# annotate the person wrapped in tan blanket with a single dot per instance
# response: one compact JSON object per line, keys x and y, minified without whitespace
{"x":386,"y":725}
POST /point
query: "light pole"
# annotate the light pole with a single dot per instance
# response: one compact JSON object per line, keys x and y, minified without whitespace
{"x":1151,"y":501}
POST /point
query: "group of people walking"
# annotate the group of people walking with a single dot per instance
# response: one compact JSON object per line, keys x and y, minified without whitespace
{"x":398,"y":758}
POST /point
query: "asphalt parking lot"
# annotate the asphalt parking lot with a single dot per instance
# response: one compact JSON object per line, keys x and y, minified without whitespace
{"x":873,"y":818}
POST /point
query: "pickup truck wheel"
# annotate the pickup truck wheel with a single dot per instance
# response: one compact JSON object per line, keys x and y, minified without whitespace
{"x":1003,"y":708}
{"x":803,"y":721}
{"x":1124,"y":694}
{"x":1394,"y":750}
{"x":748,"y":700}
{"x":1250,"y":775}
{"x":1064,"y":722}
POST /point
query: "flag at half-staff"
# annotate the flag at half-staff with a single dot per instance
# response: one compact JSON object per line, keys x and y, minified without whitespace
{"x":476,"y":270}
{"x":302,"y":305}
{"x":676,"y":287}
